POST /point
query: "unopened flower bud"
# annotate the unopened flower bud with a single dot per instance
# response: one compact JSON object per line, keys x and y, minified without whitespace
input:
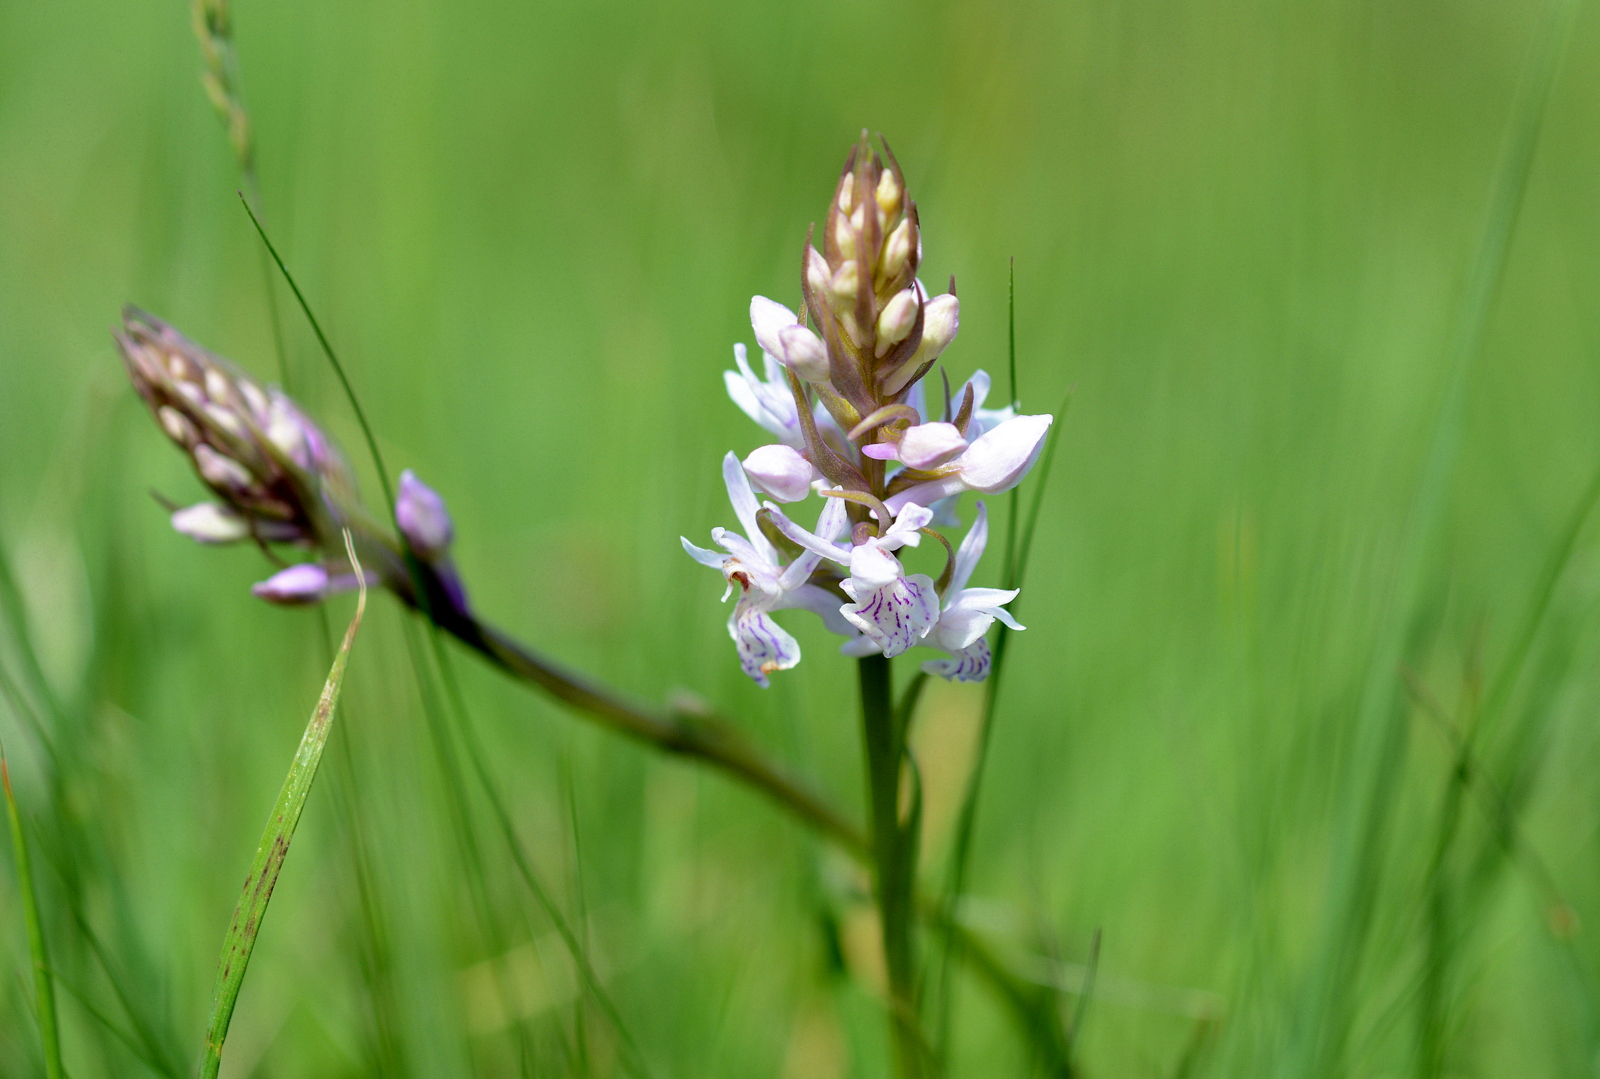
{"x":217,"y":388}
{"x":177,"y":426}
{"x":899,"y":315}
{"x":929,"y":445}
{"x":941,"y":318}
{"x":780,"y":471}
{"x":847,"y":193}
{"x":223,"y":473}
{"x":890,"y":192}
{"x":897,"y":249}
{"x":846,"y":280}
{"x":844,"y":237}
{"x":308,"y":582}
{"x":817,"y":273}
{"x":209,"y":522}
{"x":780,"y":335}
{"x":804,"y":353}
{"x":296,"y":586}
{"x":421,"y":516}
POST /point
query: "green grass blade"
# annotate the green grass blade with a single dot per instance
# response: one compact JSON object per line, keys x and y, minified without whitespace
{"x":333,"y":358}
{"x":43,"y":984}
{"x":1017,"y":551}
{"x":274,"y":846}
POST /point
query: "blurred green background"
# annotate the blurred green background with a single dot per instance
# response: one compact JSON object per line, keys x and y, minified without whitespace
{"x":1243,"y":232}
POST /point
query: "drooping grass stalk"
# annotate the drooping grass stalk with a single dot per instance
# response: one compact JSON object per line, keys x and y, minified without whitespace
{"x":44,"y":993}
{"x":1380,"y":722}
{"x":893,"y":858}
{"x":240,"y":940}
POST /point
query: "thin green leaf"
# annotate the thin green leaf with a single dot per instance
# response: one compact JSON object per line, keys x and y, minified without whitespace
{"x":274,"y":847}
{"x":43,"y":985}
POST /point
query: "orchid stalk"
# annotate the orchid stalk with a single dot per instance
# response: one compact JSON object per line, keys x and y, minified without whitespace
{"x":842,"y":394}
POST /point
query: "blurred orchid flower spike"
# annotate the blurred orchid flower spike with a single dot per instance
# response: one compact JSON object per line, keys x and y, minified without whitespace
{"x":277,"y":476}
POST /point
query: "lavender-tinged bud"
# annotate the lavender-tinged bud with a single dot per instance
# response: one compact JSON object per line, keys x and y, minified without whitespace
{"x":804,"y":353}
{"x":899,"y":315}
{"x":781,"y":472}
{"x":421,"y":516}
{"x":308,"y":582}
{"x":780,"y":335}
{"x":294,"y":587}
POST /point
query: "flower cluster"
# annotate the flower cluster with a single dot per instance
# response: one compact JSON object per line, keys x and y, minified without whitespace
{"x":278,"y":477}
{"x":842,"y":393}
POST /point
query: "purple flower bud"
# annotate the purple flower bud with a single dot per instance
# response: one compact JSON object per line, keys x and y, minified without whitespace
{"x":308,"y":582}
{"x":422,"y":518}
{"x":781,"y":472}
{"x":295,"y":586}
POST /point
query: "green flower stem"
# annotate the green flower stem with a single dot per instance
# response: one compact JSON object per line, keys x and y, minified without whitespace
{"x":893,"y":857}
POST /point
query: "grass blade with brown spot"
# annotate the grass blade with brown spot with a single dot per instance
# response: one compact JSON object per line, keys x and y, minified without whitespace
{"x":274,"y":846}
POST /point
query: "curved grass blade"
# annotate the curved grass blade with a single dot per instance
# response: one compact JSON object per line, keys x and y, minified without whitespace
{"x":43,"y":985}
{"x":274,"y":846}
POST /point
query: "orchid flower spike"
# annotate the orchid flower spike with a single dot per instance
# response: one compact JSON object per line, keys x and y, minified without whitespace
{"x":844,"y":399}
{"x":969,"y":612}
{"x":765,"y":582}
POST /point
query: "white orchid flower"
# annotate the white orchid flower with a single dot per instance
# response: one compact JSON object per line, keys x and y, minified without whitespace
{"x":765,"y":583}
{"x":892,"y":609}
{"x":968,"y":613}
{"x":983,"y":419}
{"x":996,"y":461}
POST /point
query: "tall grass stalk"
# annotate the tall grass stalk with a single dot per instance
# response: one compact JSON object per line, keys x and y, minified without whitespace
{"x":240,"y":940}
{"x":1380,"y":735}
{"x":44,"y":993}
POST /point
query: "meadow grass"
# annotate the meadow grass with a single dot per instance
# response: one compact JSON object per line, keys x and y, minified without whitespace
{"x":1294,"y":777}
